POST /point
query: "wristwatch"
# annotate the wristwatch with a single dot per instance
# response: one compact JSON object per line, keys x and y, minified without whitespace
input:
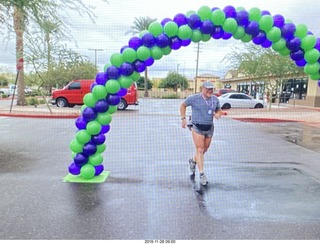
{"x":182,"y":118}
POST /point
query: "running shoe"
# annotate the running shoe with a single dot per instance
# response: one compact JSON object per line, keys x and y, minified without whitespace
{"x":192,"y":165}
{"x":203,"y":179}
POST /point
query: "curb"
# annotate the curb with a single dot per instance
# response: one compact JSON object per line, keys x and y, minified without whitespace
{"x":40,"y":116}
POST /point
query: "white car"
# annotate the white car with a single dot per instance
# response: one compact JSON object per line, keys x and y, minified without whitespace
{"x":239,"y":100}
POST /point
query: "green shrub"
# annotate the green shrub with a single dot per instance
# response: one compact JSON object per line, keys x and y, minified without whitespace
{"x":170,"y":96}
{"x":32,"y":101}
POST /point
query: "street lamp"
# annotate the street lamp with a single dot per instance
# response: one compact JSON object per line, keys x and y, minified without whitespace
{"x":95,"y":55}
{"x":178,"y":68}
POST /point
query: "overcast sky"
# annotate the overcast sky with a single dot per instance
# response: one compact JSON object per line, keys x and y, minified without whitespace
{"x":115,"y":18}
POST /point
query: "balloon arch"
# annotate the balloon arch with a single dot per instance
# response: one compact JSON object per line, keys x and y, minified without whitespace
{"x":159,"y":40}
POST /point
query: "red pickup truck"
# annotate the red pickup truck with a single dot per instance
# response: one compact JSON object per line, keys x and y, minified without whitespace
{"x":73,"y":93}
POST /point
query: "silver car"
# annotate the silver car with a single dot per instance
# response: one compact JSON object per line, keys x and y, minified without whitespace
{"x":239,"y":100}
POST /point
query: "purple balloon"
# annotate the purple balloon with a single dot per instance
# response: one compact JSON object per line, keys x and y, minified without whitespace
{"x":135,"y":42}
{"x":93,"y":85}
{"x":113,"y":99}
{"x":123,"y":91}
{"x":74,"y":169}
{"x":164,"y":21}
{"x":259,"y":39}
{"x":278,"y":21}
{"x":81,"y":123}
{"x":230,"y":11}
{"x":265,"y":12}
{"x":185,"y":43}
{"x":163,"y":41}
{"x":180,"y":19}
{"x":218,"y":32}
{"x":266,"y":44}
{"x":98,"y":169}
{"x":297,"y":55}
{"x":148,"y":40}
{"x":101,"y":106}
{"x":226,"y":36}
{"x":123,"y":48}
{"x":194,"y":21}
{"x":252,"y":28}
{"x":89,"y":148}
{"x":139,"y":66}
{"x":149,"y":61}
{"x":214,"y":8}
{"x":98,"y":139}
{"x":101,"y":78}
{"x":80,"y":159}
{"x":176,"y":43}
{"x":104,"y":129}
{"x":317,"y":45}
{"x":288,"y":30}
{"x":319,"y":83}
{"x":126,"y":69}
{"x":294,"y":44}
{"x":301,"y":63}
{"x":89,"y":114}
{"x":113,"y":72}
{"x":207,"y":27}
{"x":242,"y":18}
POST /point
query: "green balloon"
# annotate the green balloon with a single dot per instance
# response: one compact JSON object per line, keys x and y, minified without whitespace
{"x":218,"y":17}
{"x":112,"y":109}
{"x":76,"y":146}
{"x":184,"y":32}
{"x":205,"y":37}
{"x":101,"y":148}
{"x":83,"y":107}
{"x":112,"y":86}
{"x":230,"y":25}
{"x":155,"y":29}
{"x":116,"y":59}
{"x":190,"y":12}
{"x":312,"y":56}
{"x":254,"y":14}
{"x":285,"y":52}
{"x":266,"y":23}
{"x":125,"y":81}
{"x":238,"y":9}
{"x":96,"y":159}
{"x":87,"y":171}
{"x":196,"y":36}
{"x":104,"y":118}
{"x":93,"y":127}
{"x":166,"y":50}
{"x":312,"y":69}
{"x":204,"y":13}
{"x":99,"y":92}
{"x":143,"y":53}
{"x":135,"y":76}
{"x":301,"y":30}
{"x":279,"y":45}
{"x":171,"y":29}
{"x":156,"y":53}
{"x":129,"y":55}
{"x":308,"y":42}
{"x":106,"y":66}
{"x":239,"y":33}
{"x":89,"y":100}
{"x":274,"y":34}
{"x":315,"y":76}
{"x":83,"y":136}
{"x":246,"y":38}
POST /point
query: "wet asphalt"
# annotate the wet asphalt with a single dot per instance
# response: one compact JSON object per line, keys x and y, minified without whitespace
{"x":262,"y":186}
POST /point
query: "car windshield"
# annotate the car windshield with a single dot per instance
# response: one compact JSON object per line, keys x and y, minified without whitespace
{"x":224,"y":95}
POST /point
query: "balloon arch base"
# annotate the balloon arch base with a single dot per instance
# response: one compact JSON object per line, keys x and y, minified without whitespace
{"x":79,"y":179}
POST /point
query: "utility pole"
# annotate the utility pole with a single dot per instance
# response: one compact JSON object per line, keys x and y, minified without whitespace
{"x":95,"y":55}
{"x":197,"y":67}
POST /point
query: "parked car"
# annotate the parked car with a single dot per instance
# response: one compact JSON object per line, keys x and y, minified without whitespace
{"x":13,"y":89}
{"x":220,"y":92}
{"x":73,"y":93}
{"x":239,"y":100}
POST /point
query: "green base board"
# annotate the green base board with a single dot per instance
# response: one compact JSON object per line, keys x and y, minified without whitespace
{"x":79,"y":179}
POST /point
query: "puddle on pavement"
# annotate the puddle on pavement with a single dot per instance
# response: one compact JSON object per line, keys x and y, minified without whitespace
{"x":300,"y":134}
{"x":281,"y":194}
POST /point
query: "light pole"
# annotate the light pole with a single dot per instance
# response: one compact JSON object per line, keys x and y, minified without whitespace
{"x":95,"y":55}
{"x":178,"y":68}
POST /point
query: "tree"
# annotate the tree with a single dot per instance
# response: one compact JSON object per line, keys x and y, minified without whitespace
{"x":140,"y":83}
{"x":141,"y":24}
{"x":255,"y":63}
{"x":24,"y":12}
{"x":174,"y":81}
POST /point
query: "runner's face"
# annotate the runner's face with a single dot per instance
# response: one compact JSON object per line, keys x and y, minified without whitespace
{"x":207,"y":92}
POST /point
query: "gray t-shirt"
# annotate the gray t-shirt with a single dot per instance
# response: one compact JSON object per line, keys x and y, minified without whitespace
{"x":202,"y":109}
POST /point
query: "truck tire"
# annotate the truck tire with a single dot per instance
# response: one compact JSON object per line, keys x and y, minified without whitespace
{"x":122,"y":104}
{"x":62,"y":102}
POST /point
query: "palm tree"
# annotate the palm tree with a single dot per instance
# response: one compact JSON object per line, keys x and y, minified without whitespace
{"x":24,"y":12}
{"x":141,"y":24}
